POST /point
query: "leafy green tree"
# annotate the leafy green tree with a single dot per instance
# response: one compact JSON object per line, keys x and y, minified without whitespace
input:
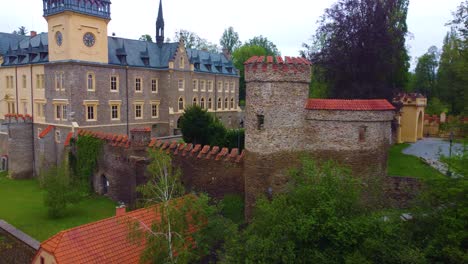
{"x":21,"y":31}
{"x":235,"y":138}
{"x":453,"y":73}
{"x":263,"y":42}
{"x":197,"y":125}
{"x":146,"y":37}
{"x":436,"y":107}
{"x":59,"y":189}
{"x":426,"y":73}
{"x":240,"y":56}
{"x":230,"y":40}
{"x":360,"y":46}
{"x":193,"y":41}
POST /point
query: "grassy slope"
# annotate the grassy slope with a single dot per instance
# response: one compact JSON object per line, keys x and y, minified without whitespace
{"x":21,"y":204}
{"x":400,"y":164}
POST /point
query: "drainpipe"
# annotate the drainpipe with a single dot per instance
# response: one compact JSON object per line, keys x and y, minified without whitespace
{"x":126,"y":90}
{"x":32,"y":121}
{"x":16,"y":85}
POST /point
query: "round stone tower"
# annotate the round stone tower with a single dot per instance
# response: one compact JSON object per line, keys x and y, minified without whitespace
{"x":277,"y":91}
{"x":20,"y":149}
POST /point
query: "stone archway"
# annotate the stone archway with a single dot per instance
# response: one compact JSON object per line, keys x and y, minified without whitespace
{"x":420,"y":126}
{"x":4,"y":164}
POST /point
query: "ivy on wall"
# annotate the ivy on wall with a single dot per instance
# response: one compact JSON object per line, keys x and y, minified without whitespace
{"x":86,"y":155}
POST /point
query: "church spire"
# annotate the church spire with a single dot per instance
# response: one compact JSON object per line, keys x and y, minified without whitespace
{"x":160,"y":25}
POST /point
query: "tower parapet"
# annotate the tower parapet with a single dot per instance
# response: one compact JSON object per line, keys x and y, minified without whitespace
{"x":275,"y":69}
{"x":97,"y":8}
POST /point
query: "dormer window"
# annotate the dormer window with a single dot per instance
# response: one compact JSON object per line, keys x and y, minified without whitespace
{"x":219,"y":68}
{"x":197,"y":66}
{"x":229,"y":69}
{"x":208,"y":67}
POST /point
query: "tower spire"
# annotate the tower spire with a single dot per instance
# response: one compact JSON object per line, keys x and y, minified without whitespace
{"x":160,"y":25}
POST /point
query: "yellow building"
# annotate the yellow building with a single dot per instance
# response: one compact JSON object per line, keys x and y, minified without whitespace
{"x":410,"y":117}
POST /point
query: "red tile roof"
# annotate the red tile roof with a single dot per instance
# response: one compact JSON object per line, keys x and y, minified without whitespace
{"x":104,"y":241}
{"x":46,"y":131}
{"x":67,"y":140}
{"x":349,"y":105}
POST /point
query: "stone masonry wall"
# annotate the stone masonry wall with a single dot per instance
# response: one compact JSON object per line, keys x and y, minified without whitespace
{"x":20,"y":149}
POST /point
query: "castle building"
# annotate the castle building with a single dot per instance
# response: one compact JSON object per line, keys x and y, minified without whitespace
{"x":76,"y":76}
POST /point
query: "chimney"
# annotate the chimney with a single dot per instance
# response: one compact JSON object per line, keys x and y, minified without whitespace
{"x":33,"y":34}
{"x":120,"y":210}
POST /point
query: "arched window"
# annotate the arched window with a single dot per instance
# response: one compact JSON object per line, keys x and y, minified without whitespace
{"x":232,"y":103}
{"x":220,"y":104}
{"x":181,"y":104}
{"x":210,"y":103}
{"x":182,"y":62}
{"x":90,"y":81}
{"x":202,"y":103}
{"x":226,"y":103}
{"x":195,"y":101}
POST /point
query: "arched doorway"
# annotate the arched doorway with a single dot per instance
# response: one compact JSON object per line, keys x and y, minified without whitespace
{"x":420,"y":125}
{"x":104,"y":184}
{"x":4,"y":164}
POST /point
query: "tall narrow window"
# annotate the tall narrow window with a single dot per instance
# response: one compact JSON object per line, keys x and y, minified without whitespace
{"x":138,"y":111}
{"x":202,"y":103}
{"x":195,"y":101}
{"x":25,"y":81}
{"x":260,"y":122}
{"x":210,"y":86}
{"x":91,"y":112}
{"x":220,"y":87}
{"x":181,"y":104}
{"x":233,"y":87}
{"x":210,"y":103}
{"x":220,"y":104}
{"x":182,"y":62}
{"x":154,"y":85}
{"x":226,"y":103}
{"x":115,"y":112}
{"x":232,"y":103}
{"x":114,"y":83}
{"x":90,"y":82}
{"x":154,"y":110}
{"x":59,"y":81}
{"x":138,"y":84}
{"x":202,"y":86}
{"x":195,"y":85}
{"x":181,"y":84}
{"x":362,"y":133}
{"x":226,"y":87}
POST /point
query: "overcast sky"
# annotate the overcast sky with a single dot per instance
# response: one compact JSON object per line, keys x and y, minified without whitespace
{"x":287,"y":23}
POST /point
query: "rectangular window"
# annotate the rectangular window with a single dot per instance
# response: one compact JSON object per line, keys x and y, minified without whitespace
{"x":59,"y":81}
{"x":220,"y":87}
{"x":11,"y":108}
{"x":226,"y":87}
{"x":260,"y":122}
{"x":115,"y":112}
{"x":138,"y":85}
{"x":25,"y":81}
{"x":9,"y":82}
{"x":25,"y":108}
{"x":181,"y":84}
{"x":195,"y":85}
{"x":114,"y":82}
{"x":154,"y":85}
{"x":138,"y":111}
{"x":202,"y":86}
{"x":40,"y":107}
{"x":61,"y":111}
{"x":210,"y":86}
{"x":155,"y":110}
{"x":91,"y":112}
{"x":233,"y":87}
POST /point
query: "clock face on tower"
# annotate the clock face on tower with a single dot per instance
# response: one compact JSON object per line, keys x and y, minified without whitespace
{"x":59,"y":38}
{"x":89,"y":39}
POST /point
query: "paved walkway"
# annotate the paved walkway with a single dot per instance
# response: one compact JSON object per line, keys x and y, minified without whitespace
{"x":431,"y":149}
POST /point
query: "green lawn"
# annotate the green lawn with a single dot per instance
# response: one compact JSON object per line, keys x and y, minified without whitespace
{"x":400,"y":164}
{"x":21,"y":205}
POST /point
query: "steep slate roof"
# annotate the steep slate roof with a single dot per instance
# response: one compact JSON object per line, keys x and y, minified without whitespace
{"x":104,"y":241}
{"x":135,"y":52}
{"x":9,"y":40}
{"x":349,"y":105}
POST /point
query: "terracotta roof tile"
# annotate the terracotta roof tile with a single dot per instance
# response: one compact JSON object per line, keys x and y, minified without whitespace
{"x":349,"y":105}
{"x":104,"y":241}
{"x":46,"y":131}
{"x":67,"y":140}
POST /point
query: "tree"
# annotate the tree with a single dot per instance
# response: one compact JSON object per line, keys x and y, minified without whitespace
{"x":453,"y":73}
{"x":360,"y":46}
{"x":263,"y":42}
{"x":230,"y":40}
{"x":240,"y":56}
{"x":60,"y":190}
{"x":21,"y":31}
{"x":146,"y":37}
{"x":426,"y":73}
{"x":193,"y":41}
{"x":200,"y":127}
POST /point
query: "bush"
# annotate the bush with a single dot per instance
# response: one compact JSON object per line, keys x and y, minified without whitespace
{"x":60,"y":191}
{"x":235,"y":138}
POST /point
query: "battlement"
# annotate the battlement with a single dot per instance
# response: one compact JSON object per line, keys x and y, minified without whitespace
{"x":178,"y":149}
{"x":18,"y":118}
{"x":275,"y":69}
